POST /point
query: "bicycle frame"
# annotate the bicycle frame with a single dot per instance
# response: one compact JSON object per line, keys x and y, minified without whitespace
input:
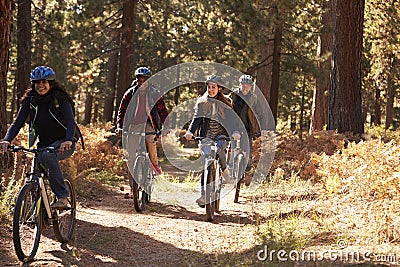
{"x":209,"y":160}
{"x":238,"y":154}
{"x":212,"y":182}
{"x":29,"y":216}
{"x":36,"y":176}
{"x":142,"y":168}
{"x":44,"y":195}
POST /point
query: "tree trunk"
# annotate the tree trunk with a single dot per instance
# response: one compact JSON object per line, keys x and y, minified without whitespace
{"x":302,"y":106}
{"x":24,"y":26}
{"x":345,"y":113}
{"x":88,"y":109}
{"x":96,"y":112}
{"x":263,"y":74}
{"x":390,"y":95}
{"x":276,"y":62}
{"x":6,"y":7}
{"x":377,"y":106}
{"x":127,"y":30}
{"x":38,"y":55}
{"x":5,"y":32}
{"x":320,"y":100}
{"x":111,"y":84}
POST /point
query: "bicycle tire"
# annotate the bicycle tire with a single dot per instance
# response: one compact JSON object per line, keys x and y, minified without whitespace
{"x":149,"y":182}
{"x":27,"y":222}
{"x":64,"y":220}
{"x":139,"y":183}
{"x":210,"y":194}
{"x":218,"y":194}
{"x":240,"y":173}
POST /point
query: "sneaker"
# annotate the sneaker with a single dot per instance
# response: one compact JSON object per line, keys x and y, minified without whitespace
{"x":129,"y":195}
{"x":201,"y":201}
{"x":156,"y":169}
{"x":61,"y":203}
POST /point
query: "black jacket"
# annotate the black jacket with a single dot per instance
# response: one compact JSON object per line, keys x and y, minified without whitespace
{"x":50,"y":118}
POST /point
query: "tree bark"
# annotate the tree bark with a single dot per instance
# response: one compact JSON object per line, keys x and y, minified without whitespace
{"x":24,"y":26}
{"x":320,"y":100}
{"x":5,"y":32}
{"x":276,"y":62}
{"x":88,"y":109}
{"x":345,"y":113}
{"x":390,"y":95}
{"x":127,"y":30}
{"x":377,"y":106}
{"x":111,"y":84}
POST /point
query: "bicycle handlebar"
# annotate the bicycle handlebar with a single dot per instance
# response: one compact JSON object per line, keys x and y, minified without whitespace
{"x":157,"y":133}
{"x":14,"y":148}
{"x":199,"y":138}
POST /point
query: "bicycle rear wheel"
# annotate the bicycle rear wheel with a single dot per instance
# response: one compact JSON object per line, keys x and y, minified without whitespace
{"x":239,"y":174}
{"x":27,"y":222}
{"x":139,"y":184}
{"x":210,"y":193}
{"x":64,"y":220}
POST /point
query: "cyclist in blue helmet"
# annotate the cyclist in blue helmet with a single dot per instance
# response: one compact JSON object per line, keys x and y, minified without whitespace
{"x":152,"y":118}
{"x":51,"y":119}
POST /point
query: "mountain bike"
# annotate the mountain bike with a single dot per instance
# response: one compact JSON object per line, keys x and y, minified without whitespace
{"x":143,"y":173}
{"x":213,"y":181}
{"x":239,"y":164}
{"x":33,"y":209}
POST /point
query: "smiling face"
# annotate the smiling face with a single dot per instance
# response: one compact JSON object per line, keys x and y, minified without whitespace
{"x":142,"y":80}
{"x":245,"y":88}
{"x":212,"y":89}
{"x":42,"y":87}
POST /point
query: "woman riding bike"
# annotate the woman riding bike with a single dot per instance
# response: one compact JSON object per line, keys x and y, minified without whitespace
{"x":51,"y":118}
{"x":213,"y":117}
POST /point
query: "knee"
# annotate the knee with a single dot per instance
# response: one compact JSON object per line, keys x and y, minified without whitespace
{"x":47,"y":156}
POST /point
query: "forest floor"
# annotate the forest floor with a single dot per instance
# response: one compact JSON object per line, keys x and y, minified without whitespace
{"x":109,"y":232}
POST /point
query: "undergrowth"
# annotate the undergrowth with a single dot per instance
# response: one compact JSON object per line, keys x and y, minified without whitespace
{"x":353,"y":187}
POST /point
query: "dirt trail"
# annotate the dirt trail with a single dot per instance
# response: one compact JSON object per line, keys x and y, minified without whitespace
{"x":110,"y":233}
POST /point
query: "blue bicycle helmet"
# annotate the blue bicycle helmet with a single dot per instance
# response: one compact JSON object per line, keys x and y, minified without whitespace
{"x":246,"y":79}
{"x":215,"y":79}
{"x":42,"y":73}
{"x":143,"y":71}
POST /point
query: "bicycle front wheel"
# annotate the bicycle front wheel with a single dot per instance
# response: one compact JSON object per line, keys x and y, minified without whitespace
{"x":139,"y":184}
{"x":210,"y":193}
{"x":27,"y":222}
{"x":64,"y":219}
{"x":239,"y":174}
{"x":149,"y":182}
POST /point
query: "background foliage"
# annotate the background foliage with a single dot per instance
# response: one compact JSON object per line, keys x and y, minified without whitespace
{"x":77,"y":39}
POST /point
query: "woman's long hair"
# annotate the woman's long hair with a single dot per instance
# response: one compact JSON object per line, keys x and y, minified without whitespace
{"x":58,"y":90}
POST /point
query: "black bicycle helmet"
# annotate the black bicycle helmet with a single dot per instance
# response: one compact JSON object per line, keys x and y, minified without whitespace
{"x":246,"y":79}
{"x":42,"y":73}
{"x":143,"y":71}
